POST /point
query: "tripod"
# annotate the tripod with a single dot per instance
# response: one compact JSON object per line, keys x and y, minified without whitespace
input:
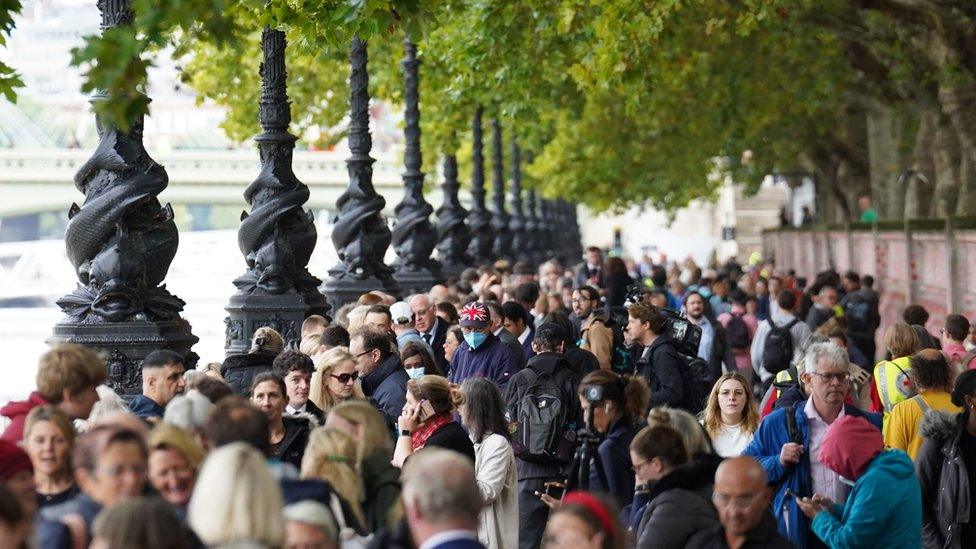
{"x":587,"y":440}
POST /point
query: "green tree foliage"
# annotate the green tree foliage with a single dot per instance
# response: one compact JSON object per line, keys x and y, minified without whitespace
{"x":9,"y":80}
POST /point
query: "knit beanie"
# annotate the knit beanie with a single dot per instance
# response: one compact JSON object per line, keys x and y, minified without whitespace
{"x":13,"y":460}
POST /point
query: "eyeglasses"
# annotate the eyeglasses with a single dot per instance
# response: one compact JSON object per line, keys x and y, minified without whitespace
{"x":346,"y":378}
{"x":636,"y":467}
{"x":422,"y":312}
{"x":843,"y":377}
{"x":366,"y":352}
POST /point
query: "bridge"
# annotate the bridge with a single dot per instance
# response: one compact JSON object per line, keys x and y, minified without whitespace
{"x":42,"y":180}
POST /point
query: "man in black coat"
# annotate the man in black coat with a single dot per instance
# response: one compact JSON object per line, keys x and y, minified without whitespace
{"x":749,"y":525}
{"x":432,"y":328}
{"x":549,"y":344}
{"x":497,"y":321}
{"x":384,"y":379}
{"x":659,"y":363}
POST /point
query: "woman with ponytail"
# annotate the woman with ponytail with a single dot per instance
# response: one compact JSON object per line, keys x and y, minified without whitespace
{"x":945,"y":464}
{"x":618,"y":414}
{"x":428,"y":419}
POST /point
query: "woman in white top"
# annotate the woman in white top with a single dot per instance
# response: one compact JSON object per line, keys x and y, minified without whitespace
{"x":494,"y":463}
{"x":731,"y":418}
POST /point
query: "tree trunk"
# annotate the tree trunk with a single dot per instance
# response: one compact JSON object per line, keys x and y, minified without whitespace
{"x":959,"y":104}
{"x":945,"y":160}
{"x":918,"y":196}
{"x":886,"y":130}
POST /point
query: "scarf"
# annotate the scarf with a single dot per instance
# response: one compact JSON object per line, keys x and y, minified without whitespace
{"x":419,"y":437}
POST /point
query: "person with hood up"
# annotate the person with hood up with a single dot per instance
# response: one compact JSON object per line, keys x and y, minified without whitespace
{"x":946,"y":467}
{"x":884,"y":508}
{"x":239,"y":370}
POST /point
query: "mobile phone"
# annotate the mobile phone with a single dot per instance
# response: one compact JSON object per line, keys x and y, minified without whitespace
{"x":426,"y":410}
{"x":555,"y":491}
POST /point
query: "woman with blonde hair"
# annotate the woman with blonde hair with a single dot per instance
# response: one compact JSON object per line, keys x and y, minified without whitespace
{"x":334,"y":379}
{"x":692,"y":432}
{"x":892,"y":378}
{"x":237,"y":500}
{"x":174,"y":460}
{"x":331,"y":457}
{"x":381,"y":480}
{"x":428,"y":420}
{"x":730,"y":416}
{"x":48,"y":440}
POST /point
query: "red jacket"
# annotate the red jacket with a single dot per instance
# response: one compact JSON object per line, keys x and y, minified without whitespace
{"x":17,"y":412}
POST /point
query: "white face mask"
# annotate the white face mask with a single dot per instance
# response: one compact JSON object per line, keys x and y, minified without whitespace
{"x":415,"y":373}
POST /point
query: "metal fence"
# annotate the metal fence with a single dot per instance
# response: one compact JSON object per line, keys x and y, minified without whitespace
{"x":931,"y":262}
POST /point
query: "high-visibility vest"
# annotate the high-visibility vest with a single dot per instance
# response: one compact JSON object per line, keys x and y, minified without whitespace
{"x":894,"y":382}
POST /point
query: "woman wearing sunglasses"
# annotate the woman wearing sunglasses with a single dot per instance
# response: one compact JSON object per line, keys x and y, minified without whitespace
{"x":335,"y":379}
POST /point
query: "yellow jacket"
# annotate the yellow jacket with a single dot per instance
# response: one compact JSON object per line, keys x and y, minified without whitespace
{"x":894,"y":383}
{"x":902,"y":429}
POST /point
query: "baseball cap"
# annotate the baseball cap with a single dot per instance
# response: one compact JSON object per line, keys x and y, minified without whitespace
{"x":401,"y":313}
{"x":474,"y":315}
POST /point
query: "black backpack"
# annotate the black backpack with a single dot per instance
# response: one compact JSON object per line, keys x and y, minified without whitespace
{"x":778,"y":347}
{"x":699,"y":379}
{"x":697,"y":376}
{"x":737,"y":332}
{"x":544,"y":418}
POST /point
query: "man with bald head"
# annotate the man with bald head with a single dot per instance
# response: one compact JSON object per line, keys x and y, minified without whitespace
{"x":742,"y":499}
{"x":432,"y":328}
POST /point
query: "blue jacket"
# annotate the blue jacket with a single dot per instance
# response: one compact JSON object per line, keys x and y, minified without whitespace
{"x":883,"y":510}
{"x":492,"y":360}
{"x":527,"y":346}
{"x":765,"y":447}
{"x":387,"y":387}
{"x":145,"y":407}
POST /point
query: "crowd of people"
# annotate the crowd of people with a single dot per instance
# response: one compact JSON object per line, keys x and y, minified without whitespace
{"x":617,"y":404}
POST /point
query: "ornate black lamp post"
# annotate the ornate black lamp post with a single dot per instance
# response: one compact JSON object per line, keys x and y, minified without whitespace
{"x":521,"y":244}
{"x":414,"y":237}
{"x":453,"y":234}
{"x":534,"y":229}
{"x":278,"y":236}
{"x":502,"y":248}
{"x":121,"y":242}
{"x":360,"y":233}
{"x":479,"y":220}
{"x":545,"y":230}
{"x":576,"y":246}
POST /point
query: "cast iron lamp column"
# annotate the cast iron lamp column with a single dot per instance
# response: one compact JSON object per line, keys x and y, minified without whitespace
{"x":414,"y":237}
{"x":121,"y":242}
{"x":360,"y":232}
{"x":278,"y":236}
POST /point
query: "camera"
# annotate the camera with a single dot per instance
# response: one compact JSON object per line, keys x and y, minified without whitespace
{"x":593,"y":394}
{"x":676,"y":326}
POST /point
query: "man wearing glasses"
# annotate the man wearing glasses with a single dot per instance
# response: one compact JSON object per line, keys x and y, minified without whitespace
{"x":788,"y":441}
{"x":384,"y":379}
{"x":595,"y":336}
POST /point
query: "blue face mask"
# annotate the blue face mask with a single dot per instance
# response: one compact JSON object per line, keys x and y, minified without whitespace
{"x":475,"y":339}
{"x":415,"y":373}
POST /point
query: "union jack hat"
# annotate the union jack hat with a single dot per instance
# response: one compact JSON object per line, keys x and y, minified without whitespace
{"x":474,"y":315}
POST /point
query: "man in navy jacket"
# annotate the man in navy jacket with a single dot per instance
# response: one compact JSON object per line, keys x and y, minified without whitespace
{"x":481,"y":354}
{"x":384,"y":379}
{"x":789,"y":450}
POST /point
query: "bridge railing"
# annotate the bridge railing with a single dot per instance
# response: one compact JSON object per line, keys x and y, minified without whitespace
{"x":931,"y":262}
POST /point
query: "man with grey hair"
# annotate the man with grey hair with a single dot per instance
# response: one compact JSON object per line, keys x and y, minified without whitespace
{"x":441,"y":500}
{"x":309,"y":523}
{"x":787,"y":443}
{"x":432,"y":328}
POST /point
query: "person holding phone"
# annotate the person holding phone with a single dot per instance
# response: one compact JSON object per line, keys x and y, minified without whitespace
{"x":427,"y":419}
